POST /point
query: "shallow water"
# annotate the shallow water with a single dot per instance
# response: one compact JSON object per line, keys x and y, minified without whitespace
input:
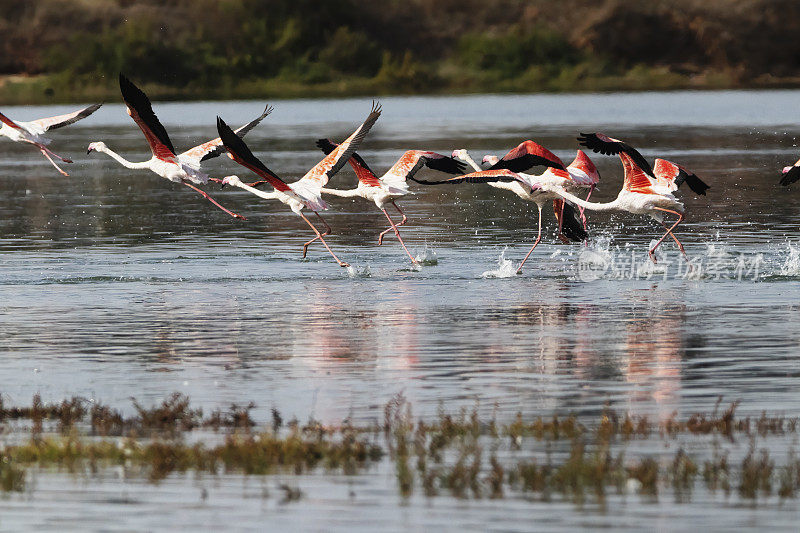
{"x":116,"y":283}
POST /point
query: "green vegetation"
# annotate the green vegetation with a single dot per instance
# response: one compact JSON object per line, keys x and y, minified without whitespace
{"x":458,"y":455}
{"x":62,"y":50}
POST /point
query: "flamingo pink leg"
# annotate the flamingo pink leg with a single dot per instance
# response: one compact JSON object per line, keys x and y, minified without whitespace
{"x":47,"y":153}
{"x":324,"y":233}
{"x":207,"y":197}
{"x":44,"y":153}
{"x":669,"y":232}
{"x":581,"y":210}
{"x":560,"y":217}
{"x":387,"y":230}
{"x":394,"y":227}
{"x":320,"y":237}
{"x":538,"y":238}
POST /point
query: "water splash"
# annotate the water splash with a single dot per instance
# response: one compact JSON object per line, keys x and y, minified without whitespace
{"x":791,"y":265}
{"x":427,"y":257}
{"x":505,"y":268}
{"x":354,"y":272}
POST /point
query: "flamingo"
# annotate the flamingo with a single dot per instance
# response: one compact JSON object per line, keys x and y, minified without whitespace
{"x":528,"y":187}
{"x":664,"y":172}
{"x":33,"y":132}
{"x":645,"y":195}
{"x":179,"y":168}
{"x":392,"y":184}
{"x":582,"y":172}
{"x":304,"y":193}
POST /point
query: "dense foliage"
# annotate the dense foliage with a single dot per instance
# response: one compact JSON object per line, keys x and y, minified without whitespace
{"x":387,"y":45}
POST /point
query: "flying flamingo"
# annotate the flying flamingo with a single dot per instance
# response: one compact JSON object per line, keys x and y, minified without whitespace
{"x":529,"y":187}
{"x":582,"y":172}
{"x":33,"y":132}
{"x":392,"y":184}
{"x":664,"y":172}
{"x":645,"y":195}
{"x":179,"y":168}
{"x":304,"y":193}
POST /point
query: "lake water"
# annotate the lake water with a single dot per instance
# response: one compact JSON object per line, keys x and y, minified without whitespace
{"x":116,"y":284}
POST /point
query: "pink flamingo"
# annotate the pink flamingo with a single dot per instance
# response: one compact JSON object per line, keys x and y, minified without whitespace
{"x":531,"y":188}
{"x":33,"y":132}
{"x":645,"y":195}
{"x":392,"y":184}
{"x":304,"y":193}
{"x":179,"y":168}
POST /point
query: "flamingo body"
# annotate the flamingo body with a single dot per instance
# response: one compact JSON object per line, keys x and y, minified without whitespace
{"x":32,"y":132}
{"x":306,"y":193}
{"x":393,"y":184}
{"x":184,"y":168}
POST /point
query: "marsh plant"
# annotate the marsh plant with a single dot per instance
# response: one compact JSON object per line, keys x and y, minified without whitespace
{"x":582,"y":460}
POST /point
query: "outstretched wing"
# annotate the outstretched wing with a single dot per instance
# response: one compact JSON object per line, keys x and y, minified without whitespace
{"x":635,"y":179}
{"x":606,"y":145}
{"x":239,"y":152}
{"x":141,"y":111}
{"x":526,"y":155}
{"x":213,"y":148}
{"x":678,"y":175}
{"x":333,"y":162}
{"x":413,"y":160}
{"x":51,"y":123}
{"x":8,"y":122}
{"x":790,"y":174}
{"x":363,"y":172}
{"x":484,"y":176}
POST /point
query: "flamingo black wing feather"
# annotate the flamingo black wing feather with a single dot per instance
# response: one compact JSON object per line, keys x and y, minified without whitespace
{"x":446,"y":164}
{"x":790,"y":176}
{"x":138,"y":101}
{"x":606,"y":145}
{"x":237,"y":147}
{"x":523,"y":163}
{"x":327,"y":146}
{"x":697,"y":185}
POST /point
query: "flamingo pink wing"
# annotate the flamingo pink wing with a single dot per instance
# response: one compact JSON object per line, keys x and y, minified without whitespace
{"x":239,"y":152}
{"x":214,"y":147}
{"x":334,"y":161}
{"x":526,"y":155}
{"x":363,"y":172}
{"x":141,"y":111}
{"x":59,"y":121}
{"x":5,"y":120}
{"x":636,"y":180}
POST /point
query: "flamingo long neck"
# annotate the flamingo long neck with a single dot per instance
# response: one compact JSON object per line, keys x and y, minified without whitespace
{"x":124,"y":162}
{"x":349,"y":193}
{"x":471,"y":162}
{"x":594,"y":206}
{"x":257,"y":192}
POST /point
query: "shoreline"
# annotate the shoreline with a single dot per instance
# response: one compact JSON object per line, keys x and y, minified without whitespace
{"x":52,"y":89}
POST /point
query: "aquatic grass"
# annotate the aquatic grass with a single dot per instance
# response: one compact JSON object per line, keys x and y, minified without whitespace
{"x":12,"y":476}
{"x":459,"y":454}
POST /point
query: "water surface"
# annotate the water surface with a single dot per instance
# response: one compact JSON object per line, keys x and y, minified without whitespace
{"x":118,"y":284}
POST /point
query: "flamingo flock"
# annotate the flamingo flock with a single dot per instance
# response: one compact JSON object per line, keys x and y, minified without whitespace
{"x":646,"y":190}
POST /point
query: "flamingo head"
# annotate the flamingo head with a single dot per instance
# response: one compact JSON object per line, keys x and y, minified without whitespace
{"x":491,"y":159}
{"x":786,"y":169}
{"x":231,"y":180}
{"x":460,"y":154}
{"x":96,"y":146}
